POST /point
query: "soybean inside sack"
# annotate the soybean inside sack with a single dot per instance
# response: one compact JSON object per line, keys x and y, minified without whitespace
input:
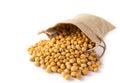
{"x":93,"y":26}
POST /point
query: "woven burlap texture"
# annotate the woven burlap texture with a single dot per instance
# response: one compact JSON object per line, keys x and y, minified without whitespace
{"x":93,"y":26}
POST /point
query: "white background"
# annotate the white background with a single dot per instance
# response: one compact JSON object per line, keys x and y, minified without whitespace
{"x":20,"y":20}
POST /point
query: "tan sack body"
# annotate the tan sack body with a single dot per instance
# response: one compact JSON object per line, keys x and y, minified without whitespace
{"x":93,"y":26}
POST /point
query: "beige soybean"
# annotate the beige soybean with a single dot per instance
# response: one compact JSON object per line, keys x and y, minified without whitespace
{"x":66,"y":53}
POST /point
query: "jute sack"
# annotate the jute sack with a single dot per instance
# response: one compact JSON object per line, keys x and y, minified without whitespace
{"x":93,"y":26}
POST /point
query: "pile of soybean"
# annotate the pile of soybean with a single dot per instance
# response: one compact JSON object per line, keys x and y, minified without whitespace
{"x":66,"y":53}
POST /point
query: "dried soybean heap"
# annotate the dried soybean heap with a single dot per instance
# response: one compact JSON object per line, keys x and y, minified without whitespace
{"x":65,"y":53}
{"x":68,"y":52}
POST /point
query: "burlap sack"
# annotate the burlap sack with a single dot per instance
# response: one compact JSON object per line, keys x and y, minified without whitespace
{"x":93,"y":26}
